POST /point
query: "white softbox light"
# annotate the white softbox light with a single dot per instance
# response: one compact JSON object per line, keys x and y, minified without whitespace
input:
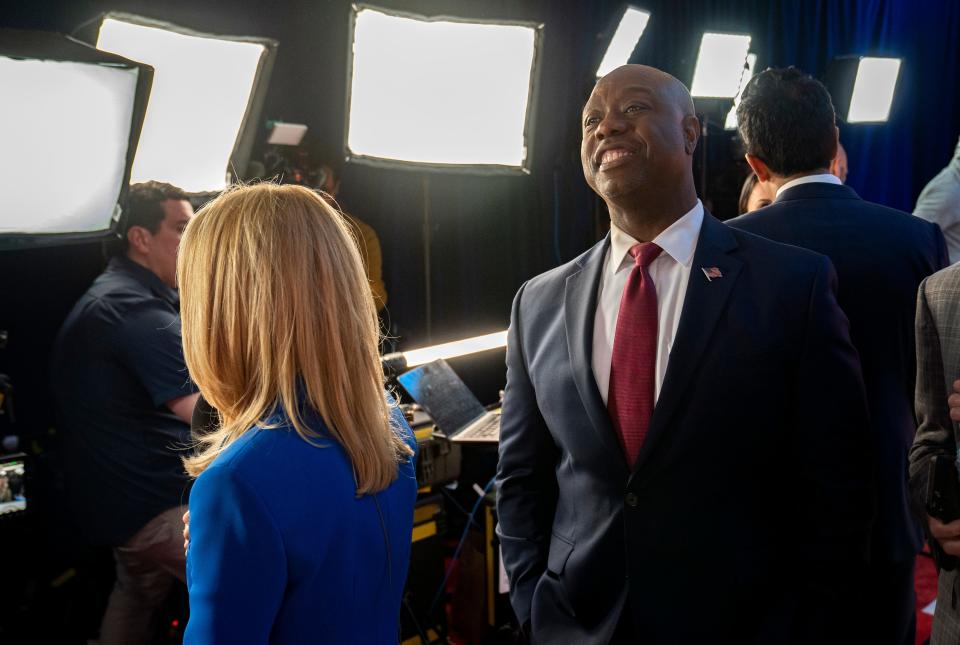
{"x":203,"y":96}
{"x":629,"y":30}
{"x":720,"y":65}
{"x":440,"y":92}
{"x":69,"y":118}
{"x":873,"y":90}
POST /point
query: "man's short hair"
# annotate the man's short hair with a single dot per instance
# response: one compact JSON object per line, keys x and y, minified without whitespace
{"x":786,"y":119}
{"x":144,"y":206}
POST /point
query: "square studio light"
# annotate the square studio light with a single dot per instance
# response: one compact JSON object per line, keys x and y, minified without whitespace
{"x":206,"y":98}
{"x":720,"y":65}
{"x":629,"y":31}
{"x":873,"y":90}
{"x":440,"y":92}
{"x":69,"y":122}
{"x":863,"y":87}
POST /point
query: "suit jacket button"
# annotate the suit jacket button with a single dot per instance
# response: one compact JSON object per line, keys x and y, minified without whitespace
{"x":631,"y":500}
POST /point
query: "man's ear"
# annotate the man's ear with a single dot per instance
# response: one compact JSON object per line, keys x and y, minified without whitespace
{"x":691,"y":133}
{"x":834,"y":168}
{"x":760,"y":169}
{"x":138,"y":238}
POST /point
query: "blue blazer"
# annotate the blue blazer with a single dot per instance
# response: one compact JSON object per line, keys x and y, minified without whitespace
{"x":881,"y":256}
{"x":751,"y":493}
{"x":283,"y":551}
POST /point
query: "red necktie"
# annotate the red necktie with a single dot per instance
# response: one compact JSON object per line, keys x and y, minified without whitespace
{"x":634,"y":360}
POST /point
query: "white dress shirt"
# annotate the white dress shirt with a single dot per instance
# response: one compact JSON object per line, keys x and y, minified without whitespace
{"x":823,"y":178}
{"x":670,"y":273}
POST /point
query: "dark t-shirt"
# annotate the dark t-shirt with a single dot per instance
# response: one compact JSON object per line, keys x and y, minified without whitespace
{"x":117,"y":360}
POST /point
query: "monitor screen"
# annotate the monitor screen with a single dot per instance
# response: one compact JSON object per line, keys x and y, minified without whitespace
{"x":13,"y":495}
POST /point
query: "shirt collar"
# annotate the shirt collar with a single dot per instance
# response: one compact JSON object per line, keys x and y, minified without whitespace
{"x":679,"y":240}
{"x":145,"y":277}
{"x":822,"y":178}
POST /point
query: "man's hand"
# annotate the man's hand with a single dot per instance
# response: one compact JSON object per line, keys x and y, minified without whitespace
{"x":186,"y":531}
{"x":948,"y":535}
{"x":954,"y":402}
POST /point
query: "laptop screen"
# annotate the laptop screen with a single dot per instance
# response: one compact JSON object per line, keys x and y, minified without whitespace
{"x":446,"y":398}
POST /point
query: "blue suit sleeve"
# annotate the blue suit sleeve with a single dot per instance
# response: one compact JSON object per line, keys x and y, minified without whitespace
{"x":236,"y":564}
{"x":526,"y":478}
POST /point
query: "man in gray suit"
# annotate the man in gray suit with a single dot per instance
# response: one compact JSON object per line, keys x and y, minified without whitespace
{"x":938,"y":365}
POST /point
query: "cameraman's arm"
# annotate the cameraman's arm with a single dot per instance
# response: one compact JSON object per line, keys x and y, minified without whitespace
{"x":183,"y":406}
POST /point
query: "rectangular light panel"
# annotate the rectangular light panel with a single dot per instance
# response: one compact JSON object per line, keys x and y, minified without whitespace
{"x":439,"y":92}
{"x":65,"y":130}
{"x":873,"y":90}
{"x":719,"y":65}
{"x":456,"y":348}
{"x":624,"y":40}
{"x":201,"y":89}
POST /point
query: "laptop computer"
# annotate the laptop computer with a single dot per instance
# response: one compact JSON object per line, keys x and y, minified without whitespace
{"x":456,"y":411}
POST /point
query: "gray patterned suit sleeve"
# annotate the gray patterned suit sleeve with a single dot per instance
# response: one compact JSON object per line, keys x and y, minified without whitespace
{"x":938,"y":364}
{"x":934,"y":430}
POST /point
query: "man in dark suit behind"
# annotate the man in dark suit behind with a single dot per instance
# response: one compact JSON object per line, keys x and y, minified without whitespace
{"x":786,"y":121}
{"x":684,"y":454}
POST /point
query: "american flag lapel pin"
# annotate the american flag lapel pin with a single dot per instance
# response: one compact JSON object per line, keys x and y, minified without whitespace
{"x":712,"y":273}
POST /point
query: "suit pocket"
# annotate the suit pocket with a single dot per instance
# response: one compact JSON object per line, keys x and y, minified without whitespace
{"x":560,"y":550}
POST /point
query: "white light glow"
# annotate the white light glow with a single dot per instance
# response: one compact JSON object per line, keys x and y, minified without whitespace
{"x":719,"y":65}
{"x":748,"y":72}
{"x":65,"y":130}
{"x":287,"y":134}
{"x":624,"y":40}
{"x":873,"y":90}
{"x":439,"y":92}
{"x":201,"y":90}
{"x":457,"y":348}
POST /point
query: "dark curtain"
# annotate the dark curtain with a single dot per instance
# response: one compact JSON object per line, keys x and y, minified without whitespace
{"x":490,"y":234}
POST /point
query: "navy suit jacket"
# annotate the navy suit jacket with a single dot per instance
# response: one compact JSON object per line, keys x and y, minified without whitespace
{"x":752,"y":486}
{"x":881,"y":255}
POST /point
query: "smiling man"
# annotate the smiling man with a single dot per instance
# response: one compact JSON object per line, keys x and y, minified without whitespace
{"x":683,"y":454}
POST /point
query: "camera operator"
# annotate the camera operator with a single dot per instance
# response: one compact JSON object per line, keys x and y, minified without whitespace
{"x":125,"y":401}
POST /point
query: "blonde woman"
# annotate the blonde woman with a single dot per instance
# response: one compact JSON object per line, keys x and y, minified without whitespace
{"x":302,"y":510}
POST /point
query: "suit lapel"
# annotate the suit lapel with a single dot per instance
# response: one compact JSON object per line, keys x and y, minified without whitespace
{"x":703,"y":305}
{"x":580,"y":305}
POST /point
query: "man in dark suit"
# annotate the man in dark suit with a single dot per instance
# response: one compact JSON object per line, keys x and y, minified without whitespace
{"x":786,"y":121}
{"x":684,"y":454}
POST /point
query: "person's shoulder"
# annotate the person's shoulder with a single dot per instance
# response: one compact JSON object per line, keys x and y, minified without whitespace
{"x":885,"y":215}
{"x":363,"y":229}
{"x":749,"y":221}
{"x":117,"y":295}
{"x":274,"y":450}
{"x":944,"y":281}
{"x":557,"y":276}
{"x":757,"y":247}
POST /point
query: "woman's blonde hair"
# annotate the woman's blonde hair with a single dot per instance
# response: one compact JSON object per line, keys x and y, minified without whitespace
{"x":277,"y":310}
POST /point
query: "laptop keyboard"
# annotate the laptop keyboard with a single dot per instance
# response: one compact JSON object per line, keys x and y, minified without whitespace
{"x":486,"y":428}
